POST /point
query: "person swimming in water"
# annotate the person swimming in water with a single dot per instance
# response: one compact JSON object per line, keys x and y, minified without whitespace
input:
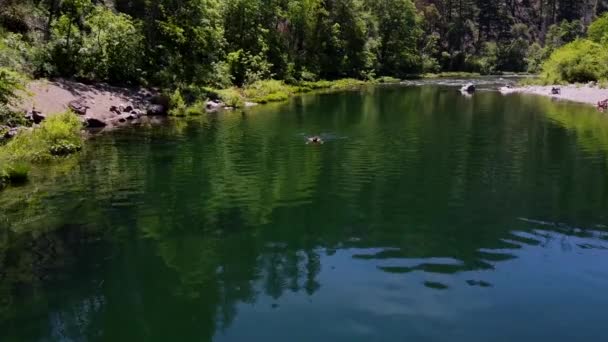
{"x":315,"y":140}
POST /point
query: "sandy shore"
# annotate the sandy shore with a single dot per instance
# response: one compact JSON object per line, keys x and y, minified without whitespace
{"x":582,"y":94}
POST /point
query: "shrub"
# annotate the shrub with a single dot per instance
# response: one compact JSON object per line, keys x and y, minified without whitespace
{"x":178,"y":105}
{"x":11,"y":118}
{"x":267,"y":91}
{"x":307,"y":86}
{"x":16,"y":173}
{"x":579,"y":61}
{"x":231,"y":97}
{"x":57,"y":135}
{"x":64,"y":148}
{"x":346,"y":83}
{"x":430,"y":64}
{"x":197,"y":108}
{"x":10,"y":83}
{"x":388,"y":79}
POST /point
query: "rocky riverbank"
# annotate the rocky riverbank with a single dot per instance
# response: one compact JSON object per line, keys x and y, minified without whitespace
{"x":98,"y":105}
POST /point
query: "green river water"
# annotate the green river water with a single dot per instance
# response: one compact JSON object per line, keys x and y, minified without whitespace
{"x":425,"y":216}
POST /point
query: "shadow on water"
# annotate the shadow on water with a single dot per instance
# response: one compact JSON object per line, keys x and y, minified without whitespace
{"x":436,"y":216}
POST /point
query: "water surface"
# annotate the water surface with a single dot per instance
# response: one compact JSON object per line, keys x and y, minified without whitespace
{"x":425,"y":216}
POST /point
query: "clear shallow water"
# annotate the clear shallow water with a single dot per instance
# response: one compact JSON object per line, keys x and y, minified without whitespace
{"x":425,"y":216}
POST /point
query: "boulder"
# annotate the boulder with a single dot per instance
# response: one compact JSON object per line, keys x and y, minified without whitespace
{"x":128,"y":109}
{"x":114,"y":109}
{"x":156,"y":109}
{"x":125,"y":117}
{"x":212,"y":106}
{"x":145,"y":93}
{"x":90,"y":122}
{"x":79,"y":106}
{"x":468,"y":88}
{"x":12,"y":133}
{"x":136,"y":112}
{"x":556,"y":91}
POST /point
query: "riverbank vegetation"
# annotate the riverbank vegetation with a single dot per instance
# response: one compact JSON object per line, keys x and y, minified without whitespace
{"x":235,"y":43}
{"x":56,"y":137}
{"x":583,"y":60}
{"x":186,"y":101}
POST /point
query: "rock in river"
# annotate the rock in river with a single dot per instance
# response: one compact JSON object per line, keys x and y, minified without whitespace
{"x":468,"y":88}
{"x":156,"y":109}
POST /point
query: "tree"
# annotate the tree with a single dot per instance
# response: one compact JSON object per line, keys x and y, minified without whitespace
{"x":398,"y":30}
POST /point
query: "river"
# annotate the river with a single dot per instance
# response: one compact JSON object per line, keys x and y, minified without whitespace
{"x":425,"y":216}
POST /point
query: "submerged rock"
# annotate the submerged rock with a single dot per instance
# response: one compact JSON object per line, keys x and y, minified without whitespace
{"x":468,"y":88}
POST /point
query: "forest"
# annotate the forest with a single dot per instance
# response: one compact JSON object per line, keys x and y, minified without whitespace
{"x":224,"y":43}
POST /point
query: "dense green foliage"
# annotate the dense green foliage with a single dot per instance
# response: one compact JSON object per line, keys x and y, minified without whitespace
{"x":10,"y":83}
{"x":500,"y":35}
{"x":598,"y":30}
{"x":579,"y":61}
{"x":583,"y":60}
{"x":224,"y":43}
{"x":57,"y":136}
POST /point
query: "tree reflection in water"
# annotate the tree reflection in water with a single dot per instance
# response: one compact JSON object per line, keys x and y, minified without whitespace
{"x":175,"y":231}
